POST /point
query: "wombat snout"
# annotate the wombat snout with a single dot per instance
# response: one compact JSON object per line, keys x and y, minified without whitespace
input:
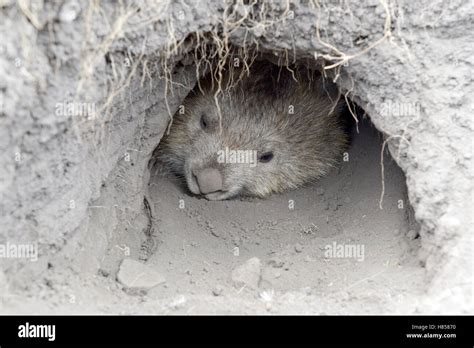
{"x":208,"y":180}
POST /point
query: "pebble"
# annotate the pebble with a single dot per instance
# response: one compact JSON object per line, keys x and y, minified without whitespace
{"x":218,"y":290}
{"x":276,"y":262}
{"x":69,"y":11}
{"x":298,"y":248}
{"x":136,"y":275}
{"x":249,"y":273}
{"x":411,"y":234}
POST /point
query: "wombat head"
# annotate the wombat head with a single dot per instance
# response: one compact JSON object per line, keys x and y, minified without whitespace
{"x":267,"y":134}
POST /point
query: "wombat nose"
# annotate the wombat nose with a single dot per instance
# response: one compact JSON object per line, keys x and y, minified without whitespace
{"x":209,"y":180}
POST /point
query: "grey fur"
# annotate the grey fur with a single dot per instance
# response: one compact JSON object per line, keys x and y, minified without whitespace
{"x":256,"y":116}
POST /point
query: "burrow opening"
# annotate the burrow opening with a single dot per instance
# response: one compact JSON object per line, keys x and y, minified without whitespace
{"x":330,"y":238}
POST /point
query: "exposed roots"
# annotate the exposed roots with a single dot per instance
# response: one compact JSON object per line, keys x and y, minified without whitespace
{"x":337,"y":56}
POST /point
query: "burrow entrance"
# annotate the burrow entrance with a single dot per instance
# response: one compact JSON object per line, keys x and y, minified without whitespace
{"x":330,"y":239}
{"x":79,"y":191}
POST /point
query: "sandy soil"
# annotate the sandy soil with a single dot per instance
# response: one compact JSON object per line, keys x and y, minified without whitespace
{"x":200,"y":242}
{"x":74,"y":183}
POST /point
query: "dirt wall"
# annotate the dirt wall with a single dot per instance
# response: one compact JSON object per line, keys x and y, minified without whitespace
{"x":87,"y":91}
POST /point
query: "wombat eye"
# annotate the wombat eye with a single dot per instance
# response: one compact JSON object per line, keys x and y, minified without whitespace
{"x":266,"y":157}
{"x":203,"y":122}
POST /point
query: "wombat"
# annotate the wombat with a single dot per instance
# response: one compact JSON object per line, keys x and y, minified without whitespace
{"x":272,"y":129}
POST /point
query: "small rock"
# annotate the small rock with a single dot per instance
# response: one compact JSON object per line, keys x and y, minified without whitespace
{"x":411,"y":235}
{"x":218,"y":290}
{"x":298,"y":248}
{"x":103,"y":273}
{"x":320,"y":191}
{"x":248,"y":273}
{"x":347,"y":200}
{"x":69,"y":11}
{"x":276,"y":262}
{"x":136,"y":275}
